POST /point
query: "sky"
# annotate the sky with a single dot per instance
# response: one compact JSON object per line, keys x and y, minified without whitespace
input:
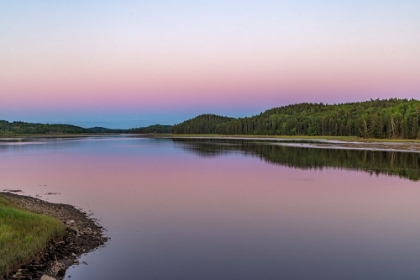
{"x":123,"y":64}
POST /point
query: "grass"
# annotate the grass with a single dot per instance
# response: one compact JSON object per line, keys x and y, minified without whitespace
{"x":23,"y":234}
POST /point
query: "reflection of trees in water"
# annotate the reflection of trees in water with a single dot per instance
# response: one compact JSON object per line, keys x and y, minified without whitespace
{"x":25,"y":144}
{"x":402,"y":164}
{"x":205,"y":148}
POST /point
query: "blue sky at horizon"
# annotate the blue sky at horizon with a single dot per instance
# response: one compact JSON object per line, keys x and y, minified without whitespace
{"x":135,"y":63}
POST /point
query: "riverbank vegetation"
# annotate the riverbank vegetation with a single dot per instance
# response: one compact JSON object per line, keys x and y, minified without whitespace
{"x":23,"y":234}
{"x":388,"y":118}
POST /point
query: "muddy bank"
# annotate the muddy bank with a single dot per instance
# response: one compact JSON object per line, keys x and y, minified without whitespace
{"x":83,"y":234}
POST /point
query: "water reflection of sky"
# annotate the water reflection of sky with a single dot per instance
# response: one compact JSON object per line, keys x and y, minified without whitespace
{"x":174,"y":215}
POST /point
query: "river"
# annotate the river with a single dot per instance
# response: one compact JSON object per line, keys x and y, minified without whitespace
{"x":229,"y":209}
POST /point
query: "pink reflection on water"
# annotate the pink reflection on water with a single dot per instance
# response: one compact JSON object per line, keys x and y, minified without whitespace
{"x":177,"y":205}
{"x":232,"y":188}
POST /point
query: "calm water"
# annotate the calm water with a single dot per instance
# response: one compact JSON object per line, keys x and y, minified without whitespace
{"x":213,"y":209}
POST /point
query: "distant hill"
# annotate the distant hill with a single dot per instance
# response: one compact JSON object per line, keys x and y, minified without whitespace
{"x":205,"y":124}
{"x":24,"y":128}
{"x":388,"y":118}
{"x":104,"y":130}
{"x":157,"y":128}
{"x":12,"y":128}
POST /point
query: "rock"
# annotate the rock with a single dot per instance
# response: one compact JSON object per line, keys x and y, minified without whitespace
{"x":71,"y":225}
{"x":46,"y":277}
{"x":56,"y":267}
{"x":70,"y":222}
{"x":61,"y":273}
{"x":12,"y":191}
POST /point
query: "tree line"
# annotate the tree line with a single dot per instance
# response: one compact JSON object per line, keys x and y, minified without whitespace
{"x":156,"y":128}
{"x":387,"y":118}
{"x":24,"y":128}
{"x":11,"y":128}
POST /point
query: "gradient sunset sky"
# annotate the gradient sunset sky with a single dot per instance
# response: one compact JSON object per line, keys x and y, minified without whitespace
{"x":134,"y":63}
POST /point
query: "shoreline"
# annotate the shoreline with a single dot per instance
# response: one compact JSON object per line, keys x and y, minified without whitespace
{"x":215,"y":136}
{"x":323,"y":142}
{"x":83,"y":235}
{"x":391,"y":145}
{"x":52,"y":136}
{"x":291,"y":138}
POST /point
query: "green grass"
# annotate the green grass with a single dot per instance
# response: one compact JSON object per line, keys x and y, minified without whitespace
{"x":23,"y":234}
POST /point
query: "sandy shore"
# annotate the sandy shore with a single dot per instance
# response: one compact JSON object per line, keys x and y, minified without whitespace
{"x":83,"y":235}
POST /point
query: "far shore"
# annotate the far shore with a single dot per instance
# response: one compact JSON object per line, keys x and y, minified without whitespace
{"x":64,"y":135}
{"x":326,"y":142}
{"x":291,"y":137}
{"x":321,"y":142}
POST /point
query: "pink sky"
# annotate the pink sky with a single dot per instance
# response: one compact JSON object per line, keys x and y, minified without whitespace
{"x":167,"y":62}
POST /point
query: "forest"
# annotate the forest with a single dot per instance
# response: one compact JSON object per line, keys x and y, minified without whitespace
{"x":24,"y":128}
{"x":156,"y":128}
{"x":387,"y":118}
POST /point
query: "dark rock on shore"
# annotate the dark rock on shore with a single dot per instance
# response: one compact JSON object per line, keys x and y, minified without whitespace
{"x":83,"y":235}
{"x":12,"y":191}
